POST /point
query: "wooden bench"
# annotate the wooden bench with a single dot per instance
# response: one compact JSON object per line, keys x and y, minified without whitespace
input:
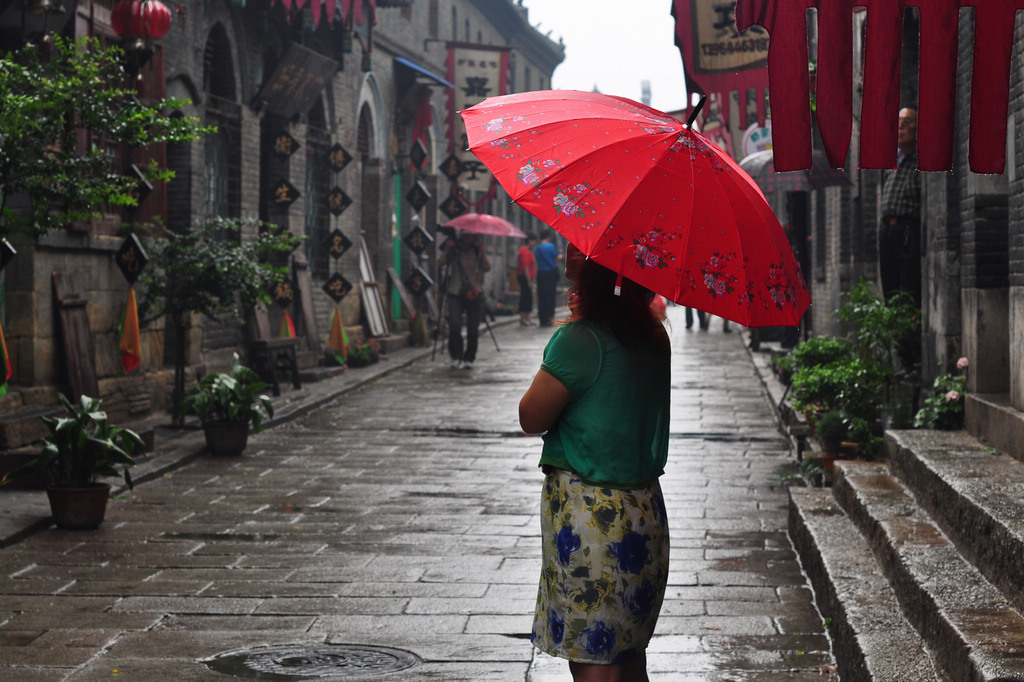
{"x":269,"y":355}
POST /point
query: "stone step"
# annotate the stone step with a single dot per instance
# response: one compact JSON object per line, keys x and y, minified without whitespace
{"x":872,"y":641}
{"x":973,"y":630}
{"x":973,"y":493}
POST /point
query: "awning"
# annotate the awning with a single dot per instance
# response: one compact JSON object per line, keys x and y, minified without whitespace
{"x":409,"y":64}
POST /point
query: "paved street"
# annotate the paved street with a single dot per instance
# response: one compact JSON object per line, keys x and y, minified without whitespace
{"x":403,"y":515}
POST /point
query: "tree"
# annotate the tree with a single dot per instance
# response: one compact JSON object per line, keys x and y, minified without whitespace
{"x":47,"y":95}
{"x":208,"y":270}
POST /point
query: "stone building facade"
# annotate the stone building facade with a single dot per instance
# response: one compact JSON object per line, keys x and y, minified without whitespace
{"x":382,"y":68}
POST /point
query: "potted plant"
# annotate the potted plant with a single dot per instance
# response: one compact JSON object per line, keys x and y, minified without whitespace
{"x":81,"y":447}
{"x":226,"y":404}
{"x":944,"y":406}
{"x":832,"y":431}
{"x":362,"y":353}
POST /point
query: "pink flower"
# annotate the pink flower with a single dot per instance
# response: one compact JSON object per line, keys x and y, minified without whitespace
{"x":952,"y":396}
{"x":961,"y":363}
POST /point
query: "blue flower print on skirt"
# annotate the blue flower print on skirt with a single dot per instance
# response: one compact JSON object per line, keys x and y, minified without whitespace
{"x":556,"y":627}
{"x":568,"y":542}
{"x":598,"y":638}
{"x":604,"y":569}
{"x":631,"y":552}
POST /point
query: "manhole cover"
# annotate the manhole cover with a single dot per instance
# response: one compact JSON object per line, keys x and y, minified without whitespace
{"x":311,"y":661}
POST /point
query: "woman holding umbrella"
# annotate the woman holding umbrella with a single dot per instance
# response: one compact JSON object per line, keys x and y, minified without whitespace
{"x":601,"y":398}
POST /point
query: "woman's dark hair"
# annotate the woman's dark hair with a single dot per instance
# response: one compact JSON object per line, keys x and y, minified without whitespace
{"x":628,"y":316}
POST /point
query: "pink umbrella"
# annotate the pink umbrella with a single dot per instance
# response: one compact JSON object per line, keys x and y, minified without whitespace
{"x":482,"y":223}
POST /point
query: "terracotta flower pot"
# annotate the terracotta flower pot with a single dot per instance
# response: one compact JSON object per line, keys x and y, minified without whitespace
{"x":226,"y":438}
{"x":79,"y":508}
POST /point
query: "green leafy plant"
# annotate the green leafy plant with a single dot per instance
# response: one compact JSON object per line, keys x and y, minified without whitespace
{"x":883,"y":330}
{"x":783,"y":367}
{"x":82,"y":446}
{"x":48,"y":95}
{"x":230,"y":397}
{"x":363,"y":352}
{"x":832,"y":429}
{"x":820,"y":350}
{"x":944,"y":407}
{"x":210,"y":270}
{"x":852,"y":384}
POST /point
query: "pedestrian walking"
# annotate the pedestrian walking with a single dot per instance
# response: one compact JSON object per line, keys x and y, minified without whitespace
{"x":526,"y":275}
{"x":465,"y":262}
{"x":547,"y":278}
{"x":601,"y":398}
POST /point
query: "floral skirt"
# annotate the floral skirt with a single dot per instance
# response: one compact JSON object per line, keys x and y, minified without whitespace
{"x":604,"y":571}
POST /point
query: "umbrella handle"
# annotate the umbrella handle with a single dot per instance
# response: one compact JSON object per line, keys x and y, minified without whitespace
{"x":696,"y":110}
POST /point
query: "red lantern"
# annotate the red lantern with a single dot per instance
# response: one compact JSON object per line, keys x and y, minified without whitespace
{"x":142,"y":20}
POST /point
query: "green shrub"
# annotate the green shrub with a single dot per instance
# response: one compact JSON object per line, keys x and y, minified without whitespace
{"x":820,"y":350}
{"x":851,"y":384}
{"x":883,"y":330}
{"x":832,"y":430}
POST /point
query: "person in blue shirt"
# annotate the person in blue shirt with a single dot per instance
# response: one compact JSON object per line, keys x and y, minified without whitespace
{"x":547,"y":257}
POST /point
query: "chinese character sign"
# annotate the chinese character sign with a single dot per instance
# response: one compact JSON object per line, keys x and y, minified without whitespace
{"x":717,"y":56}
{"x":478,"y":72}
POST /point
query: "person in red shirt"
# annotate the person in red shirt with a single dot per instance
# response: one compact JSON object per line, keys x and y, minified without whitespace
{"x":526,"y":275}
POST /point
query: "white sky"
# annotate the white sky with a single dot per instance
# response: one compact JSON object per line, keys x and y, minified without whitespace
{"x":615,"y":44}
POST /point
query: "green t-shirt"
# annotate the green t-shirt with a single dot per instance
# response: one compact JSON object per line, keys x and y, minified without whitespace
{"x":614,"y":429}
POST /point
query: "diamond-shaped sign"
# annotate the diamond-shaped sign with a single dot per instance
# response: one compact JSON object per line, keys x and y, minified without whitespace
{"x":284,"y":194}
{"x":142,"y":187}
{"x":418,"y":196}
{"x":418,"y":282}
{"x":338,"y":158}
{"x":7,"y":253}
{"x":418,"y":240}
{"x":283,"y":293}
{"x":418,"y":154}
{"x":131,"y":258}
{"x":337,"y":243}
{"x":451,"y":167}
{"x":453,"y":206}
{"x":338,"y":201}
{"x":284,"y":144}
{"x":337,"y":287}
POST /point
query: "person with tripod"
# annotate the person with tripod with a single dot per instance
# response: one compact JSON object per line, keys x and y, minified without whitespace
{"x":465,"y":263}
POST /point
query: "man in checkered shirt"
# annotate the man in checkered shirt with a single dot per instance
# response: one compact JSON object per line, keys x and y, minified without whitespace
{"x":899,"y":234}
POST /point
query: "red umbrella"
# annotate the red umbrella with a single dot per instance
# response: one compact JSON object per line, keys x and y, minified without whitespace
{"x":482,"y":223}
{"x":644,"y":195}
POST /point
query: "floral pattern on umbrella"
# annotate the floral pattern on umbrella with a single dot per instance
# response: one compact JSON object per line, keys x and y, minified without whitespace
{"x":637,"y":191}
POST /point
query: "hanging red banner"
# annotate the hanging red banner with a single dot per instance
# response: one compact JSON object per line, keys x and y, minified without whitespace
{"x":790,"y":84}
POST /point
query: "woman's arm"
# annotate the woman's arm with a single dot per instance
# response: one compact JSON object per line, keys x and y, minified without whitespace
{"x":542,"y":403}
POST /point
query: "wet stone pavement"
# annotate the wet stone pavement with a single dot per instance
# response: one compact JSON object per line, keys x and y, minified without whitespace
{"x":403,"y":516}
